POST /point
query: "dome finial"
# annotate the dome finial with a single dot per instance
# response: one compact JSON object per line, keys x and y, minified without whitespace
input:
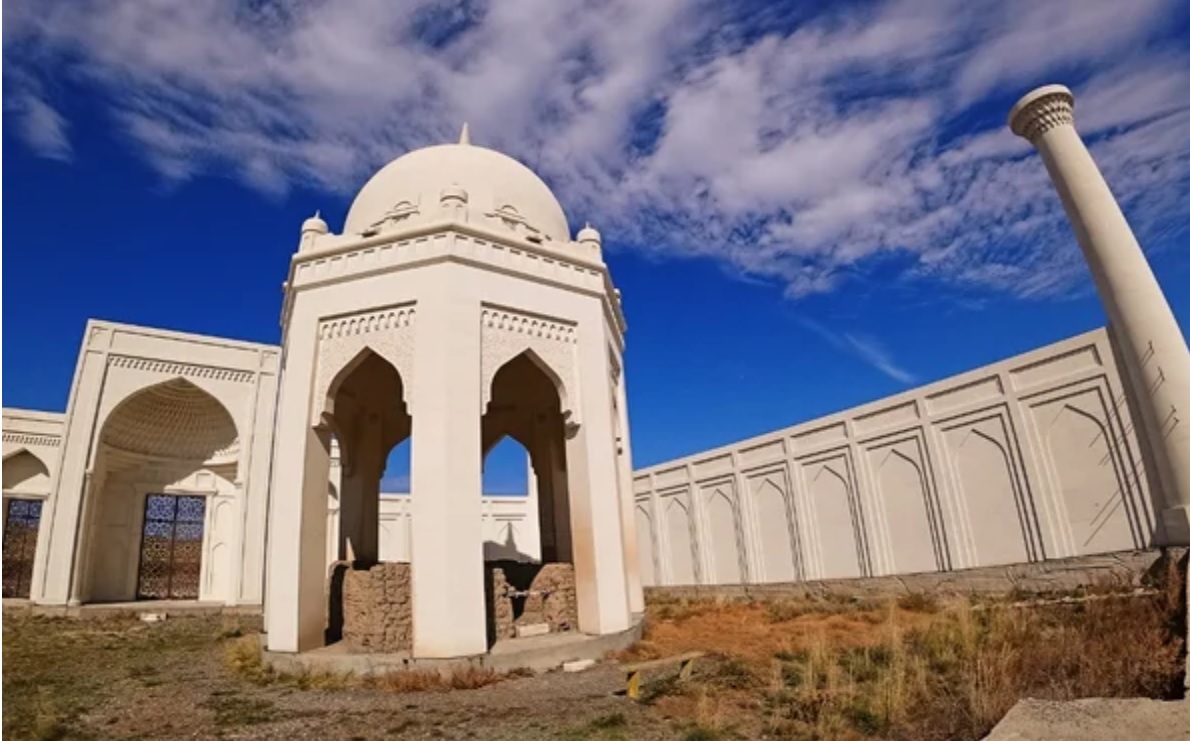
{"x":465,"y":134}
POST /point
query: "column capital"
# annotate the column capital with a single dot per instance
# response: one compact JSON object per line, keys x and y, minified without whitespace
{"x":1042,"y":110}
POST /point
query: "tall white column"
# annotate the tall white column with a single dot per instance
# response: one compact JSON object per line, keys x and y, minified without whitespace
{"x":596,"y":530}
{"x":1154,"y":351}
{"x":449,"y":615}
{"x":636,"y":594}
{"x":295,"y":586}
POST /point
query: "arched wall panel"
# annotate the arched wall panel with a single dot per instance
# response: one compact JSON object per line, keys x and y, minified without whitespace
{"x":835,"y":525}
{"x":773,"y":516}
{"x":723,"y":528}
{"x":1087,"y":474}
{"x":645,"y":547}
{"x":681,"y":547}
{"x":997,"y":514}
{"x":904,"y":501}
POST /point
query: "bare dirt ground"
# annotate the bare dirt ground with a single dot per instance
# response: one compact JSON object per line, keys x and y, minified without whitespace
{"x":121,"y":678}
{"x":911,"y":669}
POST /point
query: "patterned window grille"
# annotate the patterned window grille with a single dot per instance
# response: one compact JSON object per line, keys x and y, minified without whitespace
{"x":20,"y":545}
{"x":171,"y":547}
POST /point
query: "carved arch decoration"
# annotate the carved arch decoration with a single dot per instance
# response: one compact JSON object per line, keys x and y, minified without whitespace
{"x":552,"y":345}
{"x":342,"y":342}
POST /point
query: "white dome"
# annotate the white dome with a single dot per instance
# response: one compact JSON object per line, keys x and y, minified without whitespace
{"x":492,"y":181}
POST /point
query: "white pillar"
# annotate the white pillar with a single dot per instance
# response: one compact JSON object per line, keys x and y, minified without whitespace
{"x":449,"y":615}
{"x":295,"y":585}
{"x":596,"y":531}
{"x":636,"y":594}
{"x":1154,"y":351}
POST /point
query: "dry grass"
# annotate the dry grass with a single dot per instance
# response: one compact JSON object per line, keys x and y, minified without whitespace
{"x":468,"y":678}
{"x":916,"y":667}
{"x":243,"y":657}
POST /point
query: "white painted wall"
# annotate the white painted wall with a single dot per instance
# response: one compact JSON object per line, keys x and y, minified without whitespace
{"x":1031,"y":458}
{"x":501,"y":516}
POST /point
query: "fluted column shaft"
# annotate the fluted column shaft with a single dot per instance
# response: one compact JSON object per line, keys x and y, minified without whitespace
{"x":1156,"y":358}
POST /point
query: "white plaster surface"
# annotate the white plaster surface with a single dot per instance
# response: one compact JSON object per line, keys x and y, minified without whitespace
{"x":1031,"y":458}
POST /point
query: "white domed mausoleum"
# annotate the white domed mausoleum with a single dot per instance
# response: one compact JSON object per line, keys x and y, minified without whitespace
{"x":456,"y":309}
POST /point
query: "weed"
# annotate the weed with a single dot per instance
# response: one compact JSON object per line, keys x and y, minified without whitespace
{"x":614,"y":720}
{"x":242,"y":655}
{"x":780,"y":611}
{"x":732,"y":673}
{"x":918,"y":602}
{"x":233,"y":710}
{"x":422,"y":680}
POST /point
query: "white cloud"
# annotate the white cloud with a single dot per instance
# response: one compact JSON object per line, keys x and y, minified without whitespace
{"x":795,"y":153}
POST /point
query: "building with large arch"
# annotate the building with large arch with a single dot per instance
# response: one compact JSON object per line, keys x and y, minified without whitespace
{"x":455,"y":310}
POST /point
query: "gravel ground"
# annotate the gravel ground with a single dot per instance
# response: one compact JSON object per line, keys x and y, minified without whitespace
{"x":127,"y":679}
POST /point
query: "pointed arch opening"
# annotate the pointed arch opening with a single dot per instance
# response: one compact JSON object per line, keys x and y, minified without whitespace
{"x":370,"y":424}
{"x":524,"y":419}
{"x":508,"y":537}
{"x":26,"y":485}
{"x":167,"y":462}
{"x":526,"y":406}
{"x":25,"y":475}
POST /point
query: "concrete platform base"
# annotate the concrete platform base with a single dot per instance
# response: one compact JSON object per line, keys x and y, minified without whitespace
{"x":1094,"y":720}
{"x":172,"y":608}
{"x":537,"y":653}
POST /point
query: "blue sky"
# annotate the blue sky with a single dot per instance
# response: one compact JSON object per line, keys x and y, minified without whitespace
{"x":806,"y":206}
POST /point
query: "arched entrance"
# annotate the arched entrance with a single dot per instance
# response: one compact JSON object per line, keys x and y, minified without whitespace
{"x":367,"y":414}
{"x":528,"y":597}
{"x":526,"y":406}
{"x":26,"y":484}
{"x":367,"y":417}
{"x":164,"y":515}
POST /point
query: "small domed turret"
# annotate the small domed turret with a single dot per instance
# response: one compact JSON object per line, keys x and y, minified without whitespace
{"x":314,"y":225}
{"x":589,"y":235}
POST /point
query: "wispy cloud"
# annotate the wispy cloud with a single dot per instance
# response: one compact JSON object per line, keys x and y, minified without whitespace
{"x":872,"y":352}
{"x":40,"y":124}
{"x":794,"y":147}
{"x":867,"y":349}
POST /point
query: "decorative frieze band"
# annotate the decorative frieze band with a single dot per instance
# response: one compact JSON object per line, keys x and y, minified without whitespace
{"x":186,"y":370}
{"x":506,"y":333}
{"x":20,"y":438}
{"x":527,"y":324}
{"x":388,"y":332}
{"x":396,"y":317}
